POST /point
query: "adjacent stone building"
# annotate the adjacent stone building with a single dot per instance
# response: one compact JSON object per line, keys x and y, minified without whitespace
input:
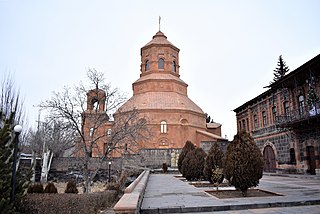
{"x":161,"y":96}
{"x":285,"y":120}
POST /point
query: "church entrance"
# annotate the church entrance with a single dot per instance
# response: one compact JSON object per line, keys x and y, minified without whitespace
{"x":269,"y":159}
{"x":311,"y":159}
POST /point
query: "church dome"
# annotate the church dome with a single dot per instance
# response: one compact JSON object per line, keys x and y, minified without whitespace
{"x":159,"y":39}
{"x":161,"y":101}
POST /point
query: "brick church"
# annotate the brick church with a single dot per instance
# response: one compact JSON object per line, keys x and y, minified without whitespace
{"x":162,"y":97}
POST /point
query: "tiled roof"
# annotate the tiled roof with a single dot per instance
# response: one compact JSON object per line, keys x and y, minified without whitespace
{"x":161,"y":100}
{"x":159,"y":39}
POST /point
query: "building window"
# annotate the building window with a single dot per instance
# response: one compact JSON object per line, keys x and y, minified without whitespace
{"x":264,"y":118}
{"x":163,"y":127}
{"x":240,"y":128}
{"x":255,"y":121}
{"x":161,"y":64}
{"x":109,"y":132}
{"x":301,"y":104}
{"x":292,"y":156}
{"x":286,"y":108}
{"x":274,"y":113}
{"x":244,"y":125}
{"x":91,"y":132}
{"x":248,"y":127}
{"x":147,"y":65}
{"x":174,"y":66}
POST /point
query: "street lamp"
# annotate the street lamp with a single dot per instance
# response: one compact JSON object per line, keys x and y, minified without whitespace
{"x":17,"y":130}
{"x":109,"y":170}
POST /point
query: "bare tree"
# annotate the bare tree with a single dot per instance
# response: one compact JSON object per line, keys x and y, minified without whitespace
{"x":87,"y":112}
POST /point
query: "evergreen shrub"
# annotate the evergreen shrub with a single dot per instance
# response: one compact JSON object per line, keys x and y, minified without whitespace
{"x":193,"y":164}
{"x":213,"y":161}
{"x":71,"y":187}
{"x":35,"y":188}
{"x":50,"y":188}
{"x":187,"y":148}
{"x":244,"y":163}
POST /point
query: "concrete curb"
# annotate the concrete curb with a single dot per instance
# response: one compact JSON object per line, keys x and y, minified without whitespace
{"x":130,"y":202}
{"x":229,"y":207}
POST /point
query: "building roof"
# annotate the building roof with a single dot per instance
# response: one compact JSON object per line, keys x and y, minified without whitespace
{"x":208,"y":134}
{"x":274,"y":86}
{"x":213,"y":125}
{"x":159,"y":39}
{"x":160,"y":101}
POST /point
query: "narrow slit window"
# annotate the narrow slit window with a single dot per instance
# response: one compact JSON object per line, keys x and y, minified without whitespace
{"x":174,"y":66}
{"x":161,"y":64}
{"x":147,"y":65}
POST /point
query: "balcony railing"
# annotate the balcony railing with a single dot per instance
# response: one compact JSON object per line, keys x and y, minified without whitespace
{"x":299,"y":115}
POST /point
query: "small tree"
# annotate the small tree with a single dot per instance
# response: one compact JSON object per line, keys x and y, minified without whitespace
{"x":185,"y":150}
{"x":244,"y":163}
{"x":193,"y":163}
{"x":11,"y":113}
{"x":213,"y":160}
{"x":280,"y":71}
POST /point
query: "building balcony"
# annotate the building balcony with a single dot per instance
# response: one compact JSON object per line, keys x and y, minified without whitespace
{"x":297,"y":117}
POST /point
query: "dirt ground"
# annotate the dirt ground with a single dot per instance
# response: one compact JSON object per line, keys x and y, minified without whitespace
{"x":238,"y":194}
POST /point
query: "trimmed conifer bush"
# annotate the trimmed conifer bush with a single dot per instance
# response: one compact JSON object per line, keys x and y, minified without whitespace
{"x":213,"y":160}
{"x":244,"y":163}
{"x":50,"y":188}
{"x":71,"y":187}
{"x":193,"y":163}
{"x":187,"y":148}
{"x":35,"y":188}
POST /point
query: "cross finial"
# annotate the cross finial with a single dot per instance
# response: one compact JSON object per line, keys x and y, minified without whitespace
{"x":159,"y":22}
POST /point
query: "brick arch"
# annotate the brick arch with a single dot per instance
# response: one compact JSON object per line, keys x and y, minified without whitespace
{"x":268,"y":143}
{"x":163,"y":142}
{"x":265,"y":150}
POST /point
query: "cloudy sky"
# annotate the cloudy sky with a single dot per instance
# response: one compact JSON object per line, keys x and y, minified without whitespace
{"x":228,"y":49}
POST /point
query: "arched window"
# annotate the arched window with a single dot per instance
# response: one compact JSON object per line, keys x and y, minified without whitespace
{"x":147,"y":65}
{"x":161,"y":64}
{"x":163,"y":127}
{"x":174,"y":66}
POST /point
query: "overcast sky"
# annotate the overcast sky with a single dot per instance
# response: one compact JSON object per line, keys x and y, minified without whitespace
{"x":228,"y":49}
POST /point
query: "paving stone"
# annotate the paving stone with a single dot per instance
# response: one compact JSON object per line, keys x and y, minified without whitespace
{"x":167,"y":194}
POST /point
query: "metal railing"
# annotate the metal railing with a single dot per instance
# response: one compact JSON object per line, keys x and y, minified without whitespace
{"x":299,"y":115}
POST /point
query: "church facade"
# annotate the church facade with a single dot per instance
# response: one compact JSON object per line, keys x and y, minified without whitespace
{"x":162,"y":97}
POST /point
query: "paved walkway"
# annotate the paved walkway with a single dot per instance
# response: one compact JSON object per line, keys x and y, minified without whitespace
{"x":167,"y":194}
